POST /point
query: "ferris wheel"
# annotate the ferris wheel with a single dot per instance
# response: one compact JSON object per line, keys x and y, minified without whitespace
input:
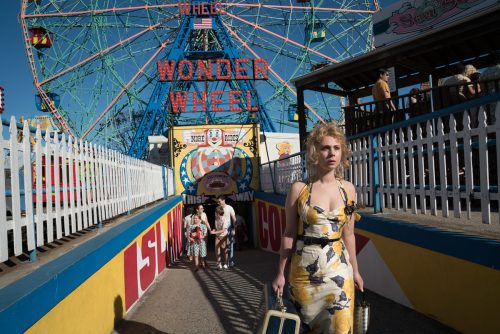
{"x":94,"y":63}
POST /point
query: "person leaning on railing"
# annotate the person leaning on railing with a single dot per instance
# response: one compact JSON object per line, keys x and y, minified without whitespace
{"x":382,"y":96}
{"x":491,"y":77}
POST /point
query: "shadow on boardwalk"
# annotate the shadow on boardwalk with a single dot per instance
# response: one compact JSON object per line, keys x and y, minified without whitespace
{"x":212,"y":301}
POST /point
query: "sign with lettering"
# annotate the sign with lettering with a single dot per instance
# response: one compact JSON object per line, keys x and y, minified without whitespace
{"x":210,"y":65}
{"x":271,"y":222}
{"x":406,"y":19}
{"x":215,"y":160}
{"x":149,"y":254}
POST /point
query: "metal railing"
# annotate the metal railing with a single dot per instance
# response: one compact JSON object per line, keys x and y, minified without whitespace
{"x":277,"y":176}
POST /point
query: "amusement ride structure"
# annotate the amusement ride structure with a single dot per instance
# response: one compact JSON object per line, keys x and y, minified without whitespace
{"x":115,"y":72}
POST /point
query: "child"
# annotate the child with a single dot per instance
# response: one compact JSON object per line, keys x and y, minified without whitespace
{"x":221,"y":233}
{"x":197,"y":238}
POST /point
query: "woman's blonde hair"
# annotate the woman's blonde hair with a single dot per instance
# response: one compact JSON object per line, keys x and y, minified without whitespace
{"x":319,"y":131}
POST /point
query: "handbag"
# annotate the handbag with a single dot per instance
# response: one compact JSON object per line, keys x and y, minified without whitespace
{"x":361,"y":315}
{"x":280,"y":316}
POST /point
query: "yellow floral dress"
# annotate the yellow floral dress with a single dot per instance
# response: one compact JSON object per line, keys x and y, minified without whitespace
{"x":321,"y":280}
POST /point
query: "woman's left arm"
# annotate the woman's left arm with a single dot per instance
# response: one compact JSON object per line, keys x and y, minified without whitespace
{"x":350,"y":239}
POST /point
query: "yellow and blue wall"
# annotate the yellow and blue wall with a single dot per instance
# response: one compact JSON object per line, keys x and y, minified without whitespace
{"x":449,"y":276}
{"x":91,"y":287}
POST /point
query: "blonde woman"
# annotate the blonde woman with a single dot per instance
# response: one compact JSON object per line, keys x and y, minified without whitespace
{"x":319,"y":237}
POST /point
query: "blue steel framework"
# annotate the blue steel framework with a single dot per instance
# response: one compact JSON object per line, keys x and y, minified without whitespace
{"x":191,"y":44}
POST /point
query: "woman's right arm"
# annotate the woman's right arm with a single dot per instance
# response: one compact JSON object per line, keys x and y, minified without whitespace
{"x":289,"y":236}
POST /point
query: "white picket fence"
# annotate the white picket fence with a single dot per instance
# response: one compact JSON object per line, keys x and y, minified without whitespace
{"x":56,"y":187}
{"x":421,"y":169}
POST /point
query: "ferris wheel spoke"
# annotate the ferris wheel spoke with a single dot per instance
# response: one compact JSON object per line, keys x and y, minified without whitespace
{"x":304,"y":8}
{"x":97,"y":11}
{"x":100,"y":53}
{"x":284,"y":38}
{"x":276,"y":75}
{"x":125,"y":88}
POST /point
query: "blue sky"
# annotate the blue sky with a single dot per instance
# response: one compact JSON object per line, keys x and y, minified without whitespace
{"x":15,"y":74}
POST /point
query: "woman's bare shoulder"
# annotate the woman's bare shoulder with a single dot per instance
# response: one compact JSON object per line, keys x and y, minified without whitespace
{"x":296,"y":189}
{"x":297,"y":186}
{"x":349,"y":188}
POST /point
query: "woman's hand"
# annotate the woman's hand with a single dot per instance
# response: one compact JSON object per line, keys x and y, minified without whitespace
{"x":279,"y":283}
{"x":358,"y":281}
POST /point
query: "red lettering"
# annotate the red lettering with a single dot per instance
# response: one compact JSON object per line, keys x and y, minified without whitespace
{"x":220,"y":68}
{"x":130,"y":272}
{"x":233,"y":100}
{"x":204,"y":71}
{"x":216,"y":100}
{"x":185,"y":74}
{"x":274,"y":228}
{"x":204,"y":9}
{"x":165,"y":68}
{"x":178,"y":230}
{"x":203,"y":101}
{"x":160,"y":251}
{"x":148,"y":249}
{"x":184,"y":8}
{"x":196,"y":8}
{"x":213,"y":9}
{"x":241,"y":69}
{"x":249,"y":103}
{"x":170,"y":258}
{"x":260,"y":66}
{"x":262,"y":215}
{"x":219,"y":8}
{"x":178,"y":100}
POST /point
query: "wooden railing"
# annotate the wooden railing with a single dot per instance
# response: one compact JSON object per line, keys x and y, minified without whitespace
{"x":372,"y":115}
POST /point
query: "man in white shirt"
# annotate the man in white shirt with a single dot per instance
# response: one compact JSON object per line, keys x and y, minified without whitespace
{"x":229,"y":216}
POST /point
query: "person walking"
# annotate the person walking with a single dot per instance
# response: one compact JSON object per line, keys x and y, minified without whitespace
{"x":318,"y":242}
{"x":229,"y":218}
{"x":221,"y":232}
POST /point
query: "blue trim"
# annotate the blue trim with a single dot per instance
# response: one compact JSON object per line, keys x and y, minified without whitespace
{"x":480,"y":250}
{"x":27,"y":300}
{"x":476,"y":249}
{"x":271,"y":198}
